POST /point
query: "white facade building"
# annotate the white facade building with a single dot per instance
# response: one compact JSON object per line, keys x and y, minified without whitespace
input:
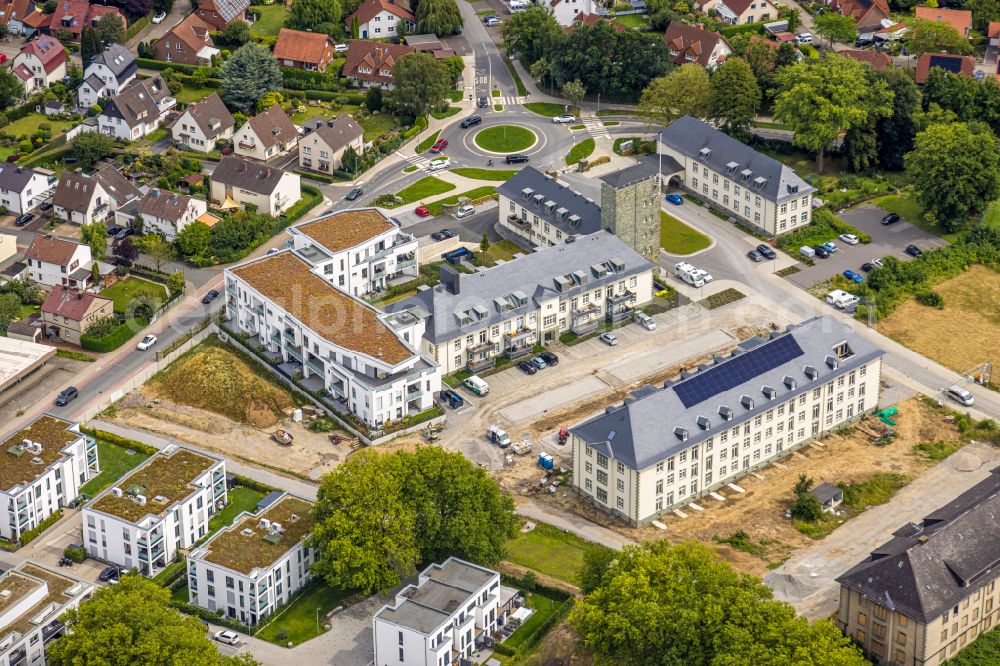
{"x":53,"y":261}
{"x":357,"y":251}
{"x":256,"y":565}
{"x":470,"y":320}
{"x":44,"y":465}
{"x":106,"y":75}
{"x":664,"y":448}
{"x":437,"y":621}
{"x":203,"y":125}
{"x":160,"y":507}
{"x":137,"y":109}
{"x":35,"y":597}
{"x":339,"y":343}
{"x":757,"y":189}
{"x":167,"y":213}
{"x":237,"y":182}
{"x":22,"y":189}
{"x":566,"y":11}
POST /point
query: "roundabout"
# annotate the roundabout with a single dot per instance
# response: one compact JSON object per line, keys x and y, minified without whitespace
{"x":505,"y":139}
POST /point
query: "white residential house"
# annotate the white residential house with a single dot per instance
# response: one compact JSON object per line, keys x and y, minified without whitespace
{"x":437,"y":621}
{"x":566,"y":11}
{"x":45,"y":464}
{"x":167,"y":213}
{"x":666,"y":447}
{"x":53,"y":261}
{"x":22,"y":189}
{"x":137,"y":110}
{"x":40,"y":63}
{"x":203,"y":125}
{"x":153,"y":511}
{"x":34,"y":598}
{"x":379,"y":19}
{"x":268,"y":134}
{"x":322,"y":146}
{"x":339,"y":343}
{"x":471,"y":320}
{"x":82,"y":198}
{"x":107,"y":74}
{"x":256,"y":565}
{"x":357,"y":251}
{"x":237,"y":182}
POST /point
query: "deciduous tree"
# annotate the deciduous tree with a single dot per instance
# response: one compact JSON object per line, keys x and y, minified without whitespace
{"x":249,"y":74}
{"x":236,"y":34}
{"x":955,"y":169}
{"x":983,"y":12}
{"x":110,"y":29}
{"x":125,"y":251}
{"x":157,"y":249}
{"x":895,"y":132}
{"x":438,"y":17}
{"x":421,"y":82}
{"x":373,"y":100}
{"x":684,"y":91}
{"x":192,"y":240}
{"x":836,"y":27}
{"x":95,"y":236}
{"x":734,"y":95}
{"x":11,"y":87}
{"x":935,"y":37}
{"x":92,"y":146}
{"x":308,"y":14}
{"x":532,"y":34}
{"x":611,"y":63}
{"x":574,"y":91}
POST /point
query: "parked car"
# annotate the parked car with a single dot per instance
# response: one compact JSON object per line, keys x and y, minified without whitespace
{"x":444,"y":234}
{"x":868,"y":267}
{"x":550,"y":358}
{"x":439,"y":164}
{"x":491,"y":21}
{"x":470,"y":121}
{"x":913,"y":251}
{"x":675,"y":199}
{"x":354,"y":194}
{"x":767,"y":251}
{"x":23,"y":219}
{"x":422,"y":211}
{"x":108,"y":573}
{"x":609,"y":338}
{"x":340,"y":48}
{"x":228,"y":637}
{"x":439,"y":145}
{"x":147,"y":342}
{"x":159,"y":17}
{"x":66,"y":396}
{"x":564,"y":118}
{"x":830,"y":247}
{"x":273,"y":250}
{"x":539,"y":363}
{"x":850,"y":239}
{"x":45,"y":206}
{"x":863,"y":42}
{"x":114,"y":230}
{"x":821,"y":251}
{"x":803,"y":38}
{"x":645,"y":321}
{"x":755,"y":256}
{"x":807,"y":251}
{"x":527,"y":368}
{"x":465,"y":211}
{"x":124,"y":233}
{"x":852,"y":276}
{"x":210,"y":296}
{"x":483,"y":102}
{"x":452,"y":398}
{"x":477,"y":385}
{"x":891,"y":218}
{"x":516,"y":159}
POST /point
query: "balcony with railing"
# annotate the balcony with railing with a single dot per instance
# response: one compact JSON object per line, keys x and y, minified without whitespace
{"x":516,"y":220}
{"x":585,"y":320}
{"x":475,"y":364}
{"x":166,"y":104}
{"x":619,"y":314}
{"x":621,"y":297}
{"x":247,"y":145}
{"x":315,"y":365}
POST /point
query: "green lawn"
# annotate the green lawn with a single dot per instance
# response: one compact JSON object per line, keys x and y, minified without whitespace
{"x":124,"y":291}
{"x":27,"y":310}
{"x":580,"y":151}
{"x":240,"y":499}
{"x":377,"y":125}
{"x":550,"y":551}
{"x":632,"y":21}
{"x":907,"y":207}
{"x":804,"y":163}
{"x":158,"y":134}
{"x":505,"y":138}
{"x":549,"y":109}
{"x":498,"y":107}
{"x":169,"y":572}
{"x":323,"y":111}
{"x":114,"y":463}
{"x":544,"y":608}
{"x":441,"y":115}
{"x":496,"y":93}
{"x":428,"y":186}
{"x":410,"y":169}
{"x":297,"y":621}
{"x":271,"y":18}
{"x":426,"y":144}
{"x":180,"y":593}
{"x":29,"y":125}
{"x":991,"y":217}
{"x":435,"y":207}
{"x":503,"y":250}
{"x":485,"y":174}
{"x":679,"y":238}
{"x":189,"y":94}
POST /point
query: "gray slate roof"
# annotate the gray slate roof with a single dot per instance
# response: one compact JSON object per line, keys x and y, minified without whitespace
{"x":927,"y":569}
{"x":164,"y":205}
{"x":532,"y":276}
{"x":530,"y":178}
{"x":15,"y":178}
{"x":689,"y":135}
{"x":118,"y":59}
{"x":139,"y":101}
{"x":210,"y":115}
{"x":629,"y":175}
{"x":247,"y":175}
{"x":642,"y":432}
{"x":336,"y":132}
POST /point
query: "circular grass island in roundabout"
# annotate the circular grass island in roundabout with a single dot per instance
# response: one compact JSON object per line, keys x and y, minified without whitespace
{"x":505,"y":139}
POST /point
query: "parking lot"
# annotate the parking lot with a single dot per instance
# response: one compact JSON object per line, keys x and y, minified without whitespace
{"x":887,"y":240}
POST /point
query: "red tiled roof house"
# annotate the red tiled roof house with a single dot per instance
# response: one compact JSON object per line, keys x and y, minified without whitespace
{"x":691,"y":43}
{"x":40,"y":63}
{"x":303,"y":50}
{"x":377,"y":19}
{"x":67,"y":313}
{"x":372,"y":63}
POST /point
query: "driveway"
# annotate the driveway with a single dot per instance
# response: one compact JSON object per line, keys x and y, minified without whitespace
{"x":886,"y":241}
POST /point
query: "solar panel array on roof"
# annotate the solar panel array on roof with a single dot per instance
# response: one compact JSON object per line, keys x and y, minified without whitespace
{"x":735,"y":371}
{"x":951,"y":63}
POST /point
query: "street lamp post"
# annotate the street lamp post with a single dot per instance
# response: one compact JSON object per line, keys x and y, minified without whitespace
{"x":317,"y":620}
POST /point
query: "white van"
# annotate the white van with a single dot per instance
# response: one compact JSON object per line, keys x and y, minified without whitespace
{"x":807,"y":251}
{"x":645,"y":321}
{"x":959,"y":394}
{"x":477,"y":385}
{"x":847,"y":301}
{"x":835,"y":296}
{"x":804,"y":38}
{"x":518,"y":6}
{"x":689,"y":274}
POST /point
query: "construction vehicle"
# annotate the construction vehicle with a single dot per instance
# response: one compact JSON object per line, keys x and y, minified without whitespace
{"x":282,"y":437}
{"x":522,"y":447}
{"x":431,"y":433}
{"x":498,"y":436}
{"x":563,"y":436}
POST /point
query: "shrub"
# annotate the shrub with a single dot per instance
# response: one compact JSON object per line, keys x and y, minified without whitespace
{"x":930,"y":298}
{"x":76,"y":554}
{"x":32,"y":534}
{"x":114,"y":338}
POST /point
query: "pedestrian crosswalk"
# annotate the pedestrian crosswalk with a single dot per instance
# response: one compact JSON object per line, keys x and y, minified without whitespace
{"x":419,"y":161}
{"x":594,"y":127}
{"x":508,"y":100}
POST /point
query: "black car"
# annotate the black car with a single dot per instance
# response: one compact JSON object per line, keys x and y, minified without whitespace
{"x":354,"y":194}
{"x":45,"y":205}
{"x":124,"y":233}
{"x":66,"y":396}
{"x":444,"y":234}
{"x":863,"y":42}
{"x":483,"y":102}
{"x":114,"y":230}
{"x":766,"y":251}
{"x":23,"y":219}
{"x":913,"y":251}
{"x":470,"y":121}
{"x":516,"y":159}
{"x":868,"y":267}
{"x":527,"y":368}
{"x":549,"y":358}
{"x":891,"y":218}
{"x":112,"y":573}
{"x":755,"y":256}
{"x":210,"y":296}
{"x":821,"y":251}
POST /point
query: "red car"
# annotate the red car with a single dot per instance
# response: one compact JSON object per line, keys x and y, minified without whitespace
{"x":439,"y":145}
{"x":422,"y":211}
{"x":3,"y":58}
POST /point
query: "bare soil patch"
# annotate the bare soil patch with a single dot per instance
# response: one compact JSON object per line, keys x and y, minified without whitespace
{"x":961,"y":335}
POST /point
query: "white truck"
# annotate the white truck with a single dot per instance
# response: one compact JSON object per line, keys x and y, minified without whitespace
{"x":498,"y":436}
{"x":689,"y":274}
{"x":840,"y":299}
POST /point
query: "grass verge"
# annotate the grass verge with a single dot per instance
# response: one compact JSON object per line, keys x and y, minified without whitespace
{"x":580,"y":151}
{"x":428,"y":186}
{"x":435,"y":207}
{"x":544,"y":607}
{"x":724,"y":297}
{"x":679,"y":238}
{"x":75,"y":355}
{"x":498,"y":175}
{"x":426,"y":144}
{"x":550,"y":109}
{"x":935,"y":451}
{"x":448,"y":113}
{"x":410,"y":169}
{"x":550,"y":551}
{"x":296,"y":622}
{"x":505,"y":138}
{"x":858,"y":497}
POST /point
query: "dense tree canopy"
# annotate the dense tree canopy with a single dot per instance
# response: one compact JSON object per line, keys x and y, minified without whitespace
{"x":309,"y":14}
{"x":250,"y":73}
{"x":896,"y":131}
{"x":684,"y":91}
{"x":89,"y":147}
{"x":660,"y":604}
{"x":734,"y":94}
{"x":11,"y":87}
{"x":438,"y":17}
{"x":110,"y":29}
{"x":836,"y":27}
{"x":421,"y":82}
{"x":935,"y":37}
{"x":532,"y":35}
{"x":379,"y":515}
{"x":616,"y":64}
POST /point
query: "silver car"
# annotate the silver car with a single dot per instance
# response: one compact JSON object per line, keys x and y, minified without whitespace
{"x":609,"y":339}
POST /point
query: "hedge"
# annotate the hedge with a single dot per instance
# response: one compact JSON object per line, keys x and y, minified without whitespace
{"x":138,"y":26}
{"x":733,"y":30}
{"x":32,"y":534}
{"x":117,"y":440}
{"x":209,"y":616}
{"x":78,"y":555}
{"x":327,"y":96}
{"x":314,"y":176}
{"x":116,"y":338}
{"x":541,"y":630}
{"x":149,"y":63}
{"x":419,"y":126}
{"x":253,"y":484}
